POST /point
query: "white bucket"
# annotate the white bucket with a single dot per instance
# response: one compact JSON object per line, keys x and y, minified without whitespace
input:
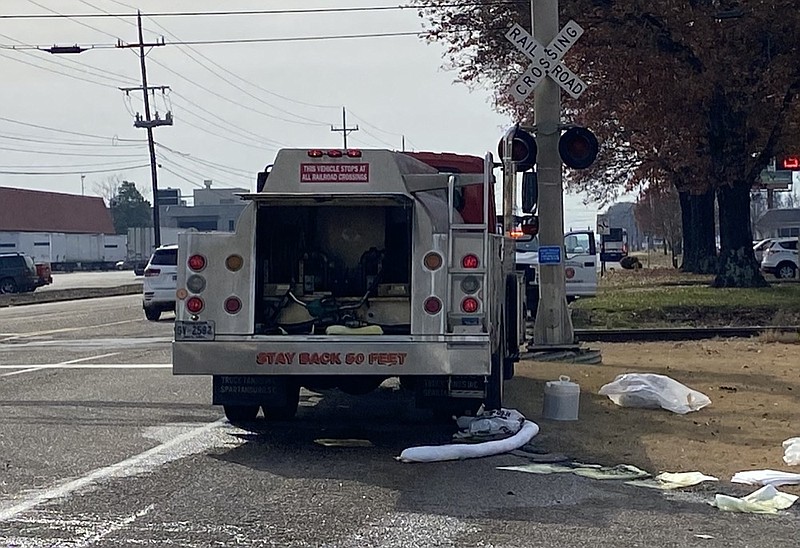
{"x":561,"y":400}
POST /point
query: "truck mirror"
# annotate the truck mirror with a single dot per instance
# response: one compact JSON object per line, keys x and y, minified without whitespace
{"x":530,"y":191}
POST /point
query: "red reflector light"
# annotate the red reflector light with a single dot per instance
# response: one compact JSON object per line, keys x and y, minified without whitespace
{"x":194,"y":305}
{"x":333,"y":153}
{"x":233,"y":305}
{"x":469,"y":305}
{"x":433,"y":305}
{"x":151,"y":272}
{"x":353,"y":153}
{"x":469,"y":261}
{"x":197,"y":262}
{"x":314,"y":153}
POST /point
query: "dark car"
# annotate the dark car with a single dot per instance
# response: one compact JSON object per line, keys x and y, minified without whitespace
{"x":17,"y":273}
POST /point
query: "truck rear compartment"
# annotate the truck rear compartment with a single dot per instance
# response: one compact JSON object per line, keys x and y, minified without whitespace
{"x":316,"y":262}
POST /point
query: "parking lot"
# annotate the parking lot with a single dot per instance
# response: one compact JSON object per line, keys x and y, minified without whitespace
{"x":102,"y":446}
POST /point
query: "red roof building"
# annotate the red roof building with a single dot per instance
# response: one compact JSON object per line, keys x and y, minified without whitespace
{"x":23,"y":210}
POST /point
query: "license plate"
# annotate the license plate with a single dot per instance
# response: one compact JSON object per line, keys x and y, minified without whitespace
{"x":194,"y":331}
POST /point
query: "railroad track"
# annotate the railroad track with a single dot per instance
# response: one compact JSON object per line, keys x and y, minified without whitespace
{"x":675,"y":333}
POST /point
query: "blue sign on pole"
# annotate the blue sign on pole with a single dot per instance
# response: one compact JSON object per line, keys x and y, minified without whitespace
{"x":550,"y":254}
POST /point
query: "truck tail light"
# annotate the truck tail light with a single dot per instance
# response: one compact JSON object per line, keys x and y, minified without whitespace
{"x":470,"y":305}
{"x":194,"y":305}
{"x":433,"y":305}
{"x":470,"y":261}
{"x":152,"y":272}
{"x":196,"y":283}
{"x":470,"y":284}
{"x":197,"y":262}
{"x":233,"y":305}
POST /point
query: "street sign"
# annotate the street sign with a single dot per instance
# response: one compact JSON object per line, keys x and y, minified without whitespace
{"x":546,"y":61}
{"x":550,"y":254}
{"x":603,"y":227}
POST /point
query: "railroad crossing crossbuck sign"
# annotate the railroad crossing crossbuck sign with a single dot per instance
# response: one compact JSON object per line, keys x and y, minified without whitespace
{"x":546,"y":61}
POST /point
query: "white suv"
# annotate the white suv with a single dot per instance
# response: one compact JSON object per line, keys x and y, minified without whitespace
{"x":160,"y":282}
{"x":780,"y":258}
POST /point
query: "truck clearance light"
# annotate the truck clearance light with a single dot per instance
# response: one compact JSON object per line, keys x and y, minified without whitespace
{"x":233,"y":305}
{"x":234,"y":263}
{"x":315,"y":153}
{"x":333,"y":153}
{"x":432,"y":260}
{"x":470,"y":305}
{"x":353,"y":153}
{"x":433,"y":305}
{"x":470,"y":261}
{"x":197,"y":262}
{"x":194,"y":305}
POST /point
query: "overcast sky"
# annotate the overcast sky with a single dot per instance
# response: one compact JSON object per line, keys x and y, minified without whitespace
{"x":233,"y":105}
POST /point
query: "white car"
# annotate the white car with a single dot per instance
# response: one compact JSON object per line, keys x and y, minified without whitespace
{"x":760,"y":247}
{"x":780,"y":258}
{"x":160,"y":282}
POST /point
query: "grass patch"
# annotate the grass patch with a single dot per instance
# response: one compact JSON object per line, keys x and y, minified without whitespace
{"x":636,"y":303}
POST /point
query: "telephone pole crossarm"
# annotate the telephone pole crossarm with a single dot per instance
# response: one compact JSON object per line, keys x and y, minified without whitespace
{"x":344,"y":130}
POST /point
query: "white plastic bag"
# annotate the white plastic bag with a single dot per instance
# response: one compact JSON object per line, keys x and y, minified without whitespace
{"x":496,"y":422}
{"x":791,"y":451}
{"x":653,"y":391}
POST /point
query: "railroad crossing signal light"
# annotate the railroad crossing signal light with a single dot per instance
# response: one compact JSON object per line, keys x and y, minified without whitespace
{"x":523,"y":150}
{"x":788,"y":163}
{"x":578,"y":148}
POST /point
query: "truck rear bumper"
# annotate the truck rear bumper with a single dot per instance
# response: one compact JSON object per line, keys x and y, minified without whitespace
{"x":323,"y":355}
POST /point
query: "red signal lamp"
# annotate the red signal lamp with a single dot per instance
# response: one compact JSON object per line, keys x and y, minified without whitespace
{"x":578,"y":148}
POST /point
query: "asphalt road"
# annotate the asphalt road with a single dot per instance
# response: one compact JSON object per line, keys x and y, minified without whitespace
{"x":101,"y":446}
{"x":73,"y":280}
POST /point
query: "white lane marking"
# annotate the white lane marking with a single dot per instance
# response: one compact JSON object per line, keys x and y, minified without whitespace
{"x":86,"y":343}
{"x":70,"y":362}
{"x":112,"y":527}
{"x":86,"y":366}
{"x":65,"y":330}
{"x":178,"y":447}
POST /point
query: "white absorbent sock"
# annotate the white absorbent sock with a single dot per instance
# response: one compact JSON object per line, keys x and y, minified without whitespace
{"x":456,"y":451}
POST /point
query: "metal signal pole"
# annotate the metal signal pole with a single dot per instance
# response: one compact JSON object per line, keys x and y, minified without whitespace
{"x":148,"y":122}
{"x":553,"y":325}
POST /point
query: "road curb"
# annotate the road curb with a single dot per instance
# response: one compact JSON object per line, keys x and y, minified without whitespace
{"x":59,"y":295}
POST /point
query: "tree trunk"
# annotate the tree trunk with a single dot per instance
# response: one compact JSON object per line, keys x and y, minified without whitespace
{"x":699,"y":242}
{"x":737,"y":264}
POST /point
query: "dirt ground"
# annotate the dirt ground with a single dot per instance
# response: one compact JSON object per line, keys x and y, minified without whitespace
{"x":754,"y":388}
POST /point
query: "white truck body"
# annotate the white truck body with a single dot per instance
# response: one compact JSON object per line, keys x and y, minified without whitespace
{"x":580,"y":265}
{"x":346,"y":268}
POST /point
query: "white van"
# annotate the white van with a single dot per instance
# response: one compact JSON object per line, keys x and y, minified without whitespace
{"x":580,"y":265}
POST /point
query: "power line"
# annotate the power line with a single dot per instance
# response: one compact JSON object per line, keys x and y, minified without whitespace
{"x":81,"y":172}
{"x":27,"y":139}
{"x":189,"y":170}
{"x":203,"y":161}
{"x":272,"y":39}
{"x":56,"y":15}
{"x":68,"y":75}
{"x":73,"y":19}
{"x":55,"y":153}
{"x":90,"y":135}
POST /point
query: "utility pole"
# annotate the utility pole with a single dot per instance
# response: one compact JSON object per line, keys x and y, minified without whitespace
{"x":553,"y":325}
{"x":148,"y":122}
{"x":344,"y":130}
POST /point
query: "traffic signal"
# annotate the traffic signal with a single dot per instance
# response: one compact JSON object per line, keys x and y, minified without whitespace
{"x":578,"y":148}
{"x":523,"y":150}
{"x":789,"y":162}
